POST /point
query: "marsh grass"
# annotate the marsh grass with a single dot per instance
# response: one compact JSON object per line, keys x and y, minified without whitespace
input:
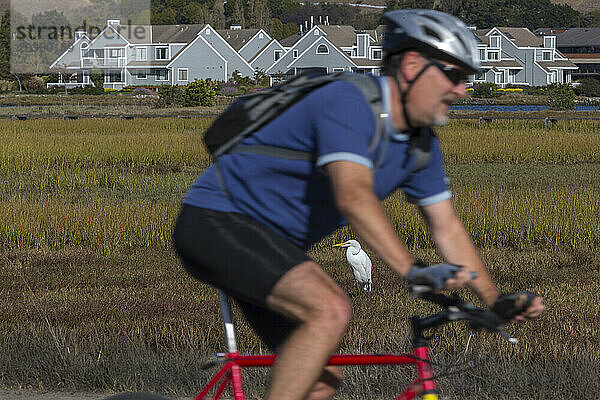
{"x":92,"y":297}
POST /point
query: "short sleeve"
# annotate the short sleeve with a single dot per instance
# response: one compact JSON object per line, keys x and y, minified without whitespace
{"x":344,"y":125}
{"x":430,"y":185}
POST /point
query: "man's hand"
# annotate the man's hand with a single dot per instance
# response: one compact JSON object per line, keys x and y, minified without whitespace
{"x":519,"y":306}
{"x":439,"y":276}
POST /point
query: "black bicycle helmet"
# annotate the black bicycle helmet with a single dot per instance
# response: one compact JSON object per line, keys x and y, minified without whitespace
{"x":434,"y":33}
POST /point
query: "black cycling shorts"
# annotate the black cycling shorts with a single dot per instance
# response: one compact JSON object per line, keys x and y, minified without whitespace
{"x":241,"y":256}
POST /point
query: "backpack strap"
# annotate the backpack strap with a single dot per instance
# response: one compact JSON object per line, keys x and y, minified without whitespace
{"x":420,"y":142}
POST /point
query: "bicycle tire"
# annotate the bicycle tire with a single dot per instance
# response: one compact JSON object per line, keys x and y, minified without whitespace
{"x":136,"y":396}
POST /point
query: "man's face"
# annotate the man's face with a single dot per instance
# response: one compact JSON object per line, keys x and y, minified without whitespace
{"x":430,"y":96}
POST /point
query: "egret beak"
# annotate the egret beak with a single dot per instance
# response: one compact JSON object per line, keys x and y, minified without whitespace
{"x":339,"y":244}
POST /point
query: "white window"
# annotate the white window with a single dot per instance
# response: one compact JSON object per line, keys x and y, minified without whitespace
{"x":482,"y":54}
{"x":141,"y":53}
{"x":554,"y":76}
{"x":547,"y":55}
{"x":295,"y":53}
{"x":480,"y":76}
{"x":84,"y":45}
{"x":493,"y":55}
{"x":322,"y":49}
{"x":162,"y":53}
{"x":182,"y":74}
{"x":162,"y":75}
{"x":207,"y":31}
{"x":142,"y":74}
{"x":377,"y":55}
{"x":277,"y":55}
{"x":549,"y":41}
{"x":316,"y":32}
{"x":338,"y":69}
{"x":116,"y":53}
{"x":495,"y":41}
{"x":260,"y":35}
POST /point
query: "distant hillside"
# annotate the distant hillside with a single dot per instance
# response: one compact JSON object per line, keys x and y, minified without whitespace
{"x":93,"y":12}
{"x":582,"y":6}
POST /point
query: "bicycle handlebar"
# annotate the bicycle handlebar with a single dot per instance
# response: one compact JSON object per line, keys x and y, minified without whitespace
{"x":456,"y":309}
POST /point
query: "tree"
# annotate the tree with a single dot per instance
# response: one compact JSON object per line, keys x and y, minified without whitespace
{"x":280,"y":8}
{"x":278,"y":30}
{"x":561,"y":97}
{"x":216,"y":16}
{"x":5,"y":46}
{"x":259,"y":15}
{"x":235,"y":13}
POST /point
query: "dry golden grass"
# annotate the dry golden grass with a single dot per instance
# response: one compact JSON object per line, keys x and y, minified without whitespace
{"x":92,"y":297}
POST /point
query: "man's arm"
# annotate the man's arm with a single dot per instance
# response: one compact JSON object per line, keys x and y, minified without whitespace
{"x":357,"y":202}
{"x":456,"y":247}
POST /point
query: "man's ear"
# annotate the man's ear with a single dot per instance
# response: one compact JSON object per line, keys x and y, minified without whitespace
{"x":411,"y":65}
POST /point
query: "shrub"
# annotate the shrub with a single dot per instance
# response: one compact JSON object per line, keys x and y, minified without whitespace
{"x":485,"y":90}
{"x":170,"y":96}
{"x":561,"y":97}
{"x":6,"y":86}
{"x":535,"y":90}
{"x":201,"y":93}
{"x":589,"y":87}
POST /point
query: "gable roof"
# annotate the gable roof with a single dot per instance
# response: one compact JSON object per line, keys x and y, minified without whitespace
{"x":175,"y":33}
{"x":237,"y":38}
{"x":579,"y":37}
{"x":521,"y":37}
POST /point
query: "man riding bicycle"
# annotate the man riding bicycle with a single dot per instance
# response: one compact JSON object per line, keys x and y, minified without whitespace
{"x":247,"y":221}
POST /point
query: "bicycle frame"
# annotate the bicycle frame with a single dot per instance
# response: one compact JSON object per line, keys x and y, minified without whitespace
{"x":230,"y":374}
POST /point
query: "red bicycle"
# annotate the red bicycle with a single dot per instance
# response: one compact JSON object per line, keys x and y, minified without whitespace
{"x":229,"y":375}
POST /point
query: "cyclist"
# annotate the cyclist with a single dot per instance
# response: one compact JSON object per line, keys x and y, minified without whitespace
{"x":246,"y":223}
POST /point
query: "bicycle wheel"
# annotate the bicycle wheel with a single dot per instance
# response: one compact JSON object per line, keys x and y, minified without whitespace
{"x":136,"y":396}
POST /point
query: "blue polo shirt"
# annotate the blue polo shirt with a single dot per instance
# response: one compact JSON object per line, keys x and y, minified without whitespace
{"x":295,"y":198}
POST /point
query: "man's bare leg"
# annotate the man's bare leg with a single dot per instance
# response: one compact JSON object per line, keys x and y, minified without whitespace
{"x":308,"y":295}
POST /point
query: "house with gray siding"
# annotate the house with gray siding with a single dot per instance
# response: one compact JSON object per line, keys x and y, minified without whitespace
{"x":516,"y":56}
{"x":329,"y":48}
{"x":129,"y":55}
{"x":581,"y":46}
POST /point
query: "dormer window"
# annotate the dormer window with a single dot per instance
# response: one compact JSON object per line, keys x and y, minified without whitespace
{"x":162,"y":53}
{"x":322,"y":49}
{"x":547,"y":56}
{"x":549,"y":41}
{"x":495,"y":41}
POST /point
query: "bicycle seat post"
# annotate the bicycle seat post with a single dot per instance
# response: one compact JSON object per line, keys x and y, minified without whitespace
{"x":227,"y":322}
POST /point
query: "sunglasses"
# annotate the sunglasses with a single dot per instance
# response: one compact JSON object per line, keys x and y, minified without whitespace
{"x":455,"y":74}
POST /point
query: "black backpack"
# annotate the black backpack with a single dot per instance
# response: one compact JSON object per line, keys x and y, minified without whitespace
{"x":251,"y":112}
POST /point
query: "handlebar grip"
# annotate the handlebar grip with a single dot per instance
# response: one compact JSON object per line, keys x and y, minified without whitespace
{"x":415,"y":290}
{"x":508,"y":306}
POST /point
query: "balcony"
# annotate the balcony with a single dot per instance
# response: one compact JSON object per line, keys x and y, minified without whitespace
{"x":103,"y":62}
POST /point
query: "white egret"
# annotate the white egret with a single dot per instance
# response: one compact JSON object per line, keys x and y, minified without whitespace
{"x":359,"y":262}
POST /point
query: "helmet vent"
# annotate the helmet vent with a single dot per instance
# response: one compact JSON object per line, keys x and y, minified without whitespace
{"x":433,"y":33}
{"x":457,"y":36}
